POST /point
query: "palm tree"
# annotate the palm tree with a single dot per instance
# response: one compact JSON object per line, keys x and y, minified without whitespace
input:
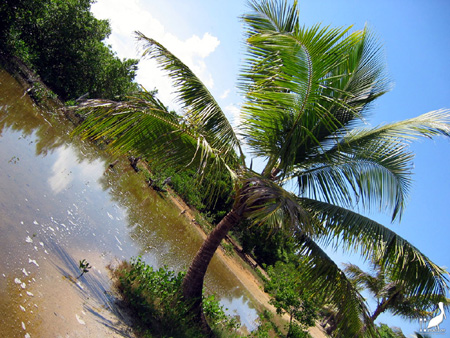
{"x":392,"y":295}
{"x":306,"y":92}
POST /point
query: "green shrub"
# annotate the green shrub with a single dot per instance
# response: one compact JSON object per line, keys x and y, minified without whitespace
{"x":155,"y":297}
{"x":198,"y":194}
{"x":267,"y":328}
{"x":267,"y":245}
{"x":215,"y":313}
{"x":289,"y":295}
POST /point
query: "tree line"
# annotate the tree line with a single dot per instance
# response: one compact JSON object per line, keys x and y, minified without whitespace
{"x":63,"y":42}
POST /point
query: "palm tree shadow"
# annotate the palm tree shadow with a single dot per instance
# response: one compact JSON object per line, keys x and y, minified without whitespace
{"x":121,"y":326}
{"x":96,"y":289}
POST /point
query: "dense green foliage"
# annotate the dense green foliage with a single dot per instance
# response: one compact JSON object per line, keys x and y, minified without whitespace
{"x":266,"y":244}
{"x":155,"y":297}
{"x":63,"y":42}
{"x":290,"y":295}
{"x":385,"y":331}
{"x":198,"y":193}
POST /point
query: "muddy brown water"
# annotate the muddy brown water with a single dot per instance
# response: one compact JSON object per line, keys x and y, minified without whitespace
{"x":60,"y":203}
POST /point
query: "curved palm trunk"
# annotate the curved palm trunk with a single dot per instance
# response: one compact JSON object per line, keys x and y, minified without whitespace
{"x":383,"y":306}
{"x":193,"y":281}
{"x":380,"y":308}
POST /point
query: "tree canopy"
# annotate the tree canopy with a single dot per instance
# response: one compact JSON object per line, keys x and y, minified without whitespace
{"x":63,"y":42}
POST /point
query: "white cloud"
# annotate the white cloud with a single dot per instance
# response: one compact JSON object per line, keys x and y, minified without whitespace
{"x":129,"y":16}
{"x":233,"y":113}
{"x":225,"y":94}
{"x":204,"y":46}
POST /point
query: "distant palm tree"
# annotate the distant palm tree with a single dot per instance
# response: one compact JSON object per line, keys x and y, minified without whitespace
{"x":392,"y":295}
{"x":306,"y":92}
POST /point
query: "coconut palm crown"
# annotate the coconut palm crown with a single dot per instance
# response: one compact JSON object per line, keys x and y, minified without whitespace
{"x":307,"y":93}
{"x":392,"y":295}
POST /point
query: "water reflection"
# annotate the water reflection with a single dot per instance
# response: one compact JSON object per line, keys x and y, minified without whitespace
{"x":68,"y":167}
{"x":60,"y":203}
{"x":240,"y":307}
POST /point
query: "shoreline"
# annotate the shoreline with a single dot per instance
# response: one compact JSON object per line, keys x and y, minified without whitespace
{"x":236,"y":265}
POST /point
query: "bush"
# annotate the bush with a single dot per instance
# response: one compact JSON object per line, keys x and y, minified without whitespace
{"x":155,"y":298}
{"x":289,"y":295}
{"x":198,"y":194}
{"x":267,"y":245}
{"x":267,"y":328}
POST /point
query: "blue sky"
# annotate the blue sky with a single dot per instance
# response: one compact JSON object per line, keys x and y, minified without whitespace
{"x":208,"y":36}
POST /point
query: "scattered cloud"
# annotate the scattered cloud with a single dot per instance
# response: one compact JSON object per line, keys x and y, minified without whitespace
{"x":233,"y":113}
{"x":126,"y":17}
{"x":225,"y":94}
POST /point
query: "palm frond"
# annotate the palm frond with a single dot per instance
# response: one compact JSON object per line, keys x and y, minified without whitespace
{"x":378,"y":174}
{"x":270,"y":204}
{"x":376,"y":242}
{"x":358,"y":81}
{"x":415,"y":307}
{"x":144,"y":125}
{"x":203,"y":112}
{"x":142,"y":122}
{"x":270,"y":16}
{"x":323,"y":277}
{"x":365,"y":280}
{"x":393,"y":293}
{"x":433,"y":123}
{"x":285,"y":70}
{"x":369,"y":166}
{"x":302,"y":87}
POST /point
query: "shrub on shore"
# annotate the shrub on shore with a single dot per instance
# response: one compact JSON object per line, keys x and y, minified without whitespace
{"x":154,"y":297}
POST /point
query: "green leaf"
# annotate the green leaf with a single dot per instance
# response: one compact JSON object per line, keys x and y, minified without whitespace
{"x":202,"y":111}
{"x":375,"y":242}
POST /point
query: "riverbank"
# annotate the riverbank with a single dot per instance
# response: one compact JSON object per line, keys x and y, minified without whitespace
{"x":238,"y":267}
{"x":235,"y":266}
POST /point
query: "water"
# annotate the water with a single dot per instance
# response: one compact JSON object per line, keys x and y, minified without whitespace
{"x":60,"y":203}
